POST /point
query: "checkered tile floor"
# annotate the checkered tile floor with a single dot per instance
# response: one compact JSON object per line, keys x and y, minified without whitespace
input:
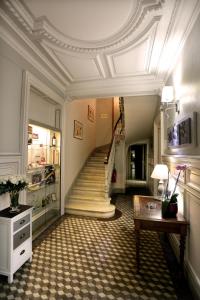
{"x":83,"y":258}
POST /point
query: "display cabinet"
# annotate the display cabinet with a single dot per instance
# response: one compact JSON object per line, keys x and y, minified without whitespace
{"x":43,"y":173}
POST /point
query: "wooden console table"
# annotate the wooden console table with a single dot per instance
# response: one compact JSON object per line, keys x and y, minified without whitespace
{"x":146,"y":218}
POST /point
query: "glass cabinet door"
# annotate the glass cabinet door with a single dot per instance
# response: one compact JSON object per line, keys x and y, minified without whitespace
{"x":43,"y":172}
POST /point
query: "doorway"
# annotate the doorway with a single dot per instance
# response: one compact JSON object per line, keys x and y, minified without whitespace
{"x":137,"y":162}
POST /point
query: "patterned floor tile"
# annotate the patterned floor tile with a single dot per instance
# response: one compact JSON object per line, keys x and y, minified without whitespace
{"x":85,"y":258}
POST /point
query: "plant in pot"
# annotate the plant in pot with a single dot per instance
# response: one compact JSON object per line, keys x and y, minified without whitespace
{"x":13,"y":185}
{"x":170,"y":203}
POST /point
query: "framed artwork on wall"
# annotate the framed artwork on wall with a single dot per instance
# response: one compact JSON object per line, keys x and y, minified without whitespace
{"x":173,"y":136}
{"x":78,"y":130}
{"x":90,"y":113}
{"x":183,"y":134}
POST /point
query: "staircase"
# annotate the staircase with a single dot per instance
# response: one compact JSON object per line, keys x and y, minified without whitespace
{"x":88,"y":196}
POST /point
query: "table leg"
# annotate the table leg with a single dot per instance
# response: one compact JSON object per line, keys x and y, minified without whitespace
{"x":137,"y":244}
{"x":182,"y":249}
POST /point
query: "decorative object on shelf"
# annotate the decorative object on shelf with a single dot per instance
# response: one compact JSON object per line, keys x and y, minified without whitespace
{"x":170,"y":203}
{"x":13,"y":185}
{"x":90,"y":113}
{"x":78,"y":130}
{"x":30,"y":138}
{"x":160,"y":172}
{"x":54,"y":141}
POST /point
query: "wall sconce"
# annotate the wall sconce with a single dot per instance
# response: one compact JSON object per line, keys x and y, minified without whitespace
{"x":168,"y":101}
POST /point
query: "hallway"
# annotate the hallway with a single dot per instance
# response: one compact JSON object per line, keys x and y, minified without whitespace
{"x":85,"y":258}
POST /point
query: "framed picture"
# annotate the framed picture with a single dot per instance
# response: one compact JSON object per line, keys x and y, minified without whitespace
{"x":78,"y":130}
{"x":90,"y":113}
{"x":173,"y":136}
{"x":183,"y":134}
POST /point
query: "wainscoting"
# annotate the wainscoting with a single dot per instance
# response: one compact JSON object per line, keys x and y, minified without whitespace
{"x":189,"y":205}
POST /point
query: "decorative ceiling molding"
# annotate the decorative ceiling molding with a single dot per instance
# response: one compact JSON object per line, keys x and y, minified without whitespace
{"x":42,"y":29}
{"x":140,"y":50}
{"x":19,"y":46}
{"x":144,"y":85}
{"x":78,"y":69}
{"x":151,"y":34}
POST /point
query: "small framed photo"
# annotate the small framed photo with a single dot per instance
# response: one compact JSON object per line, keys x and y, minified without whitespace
{"x":78,"y":130}
{"x":90,"y":113}
{"x":53,"y":197}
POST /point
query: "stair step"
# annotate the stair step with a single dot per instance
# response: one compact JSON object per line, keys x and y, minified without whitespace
{"x":93,"y":173}
{"x":84,"y":202}
{"x":96,"y":159}
{"x":93,"y":170}
{"x":81,"y":187}
{"x":101,"y":155}
{"x":87,"y":197}
{"x":94,"y":193}
{"x":98,"y":211}
{"x":95,"y":163}
{"x":92,"y":184}
{"x":92,"y":178}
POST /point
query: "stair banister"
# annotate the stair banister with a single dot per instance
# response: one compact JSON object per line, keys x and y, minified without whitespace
{"x":112,"y":140}
{"x":109,"y":162}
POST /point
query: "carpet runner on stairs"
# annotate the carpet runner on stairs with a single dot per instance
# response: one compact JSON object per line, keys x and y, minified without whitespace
{"x":88,"y":196}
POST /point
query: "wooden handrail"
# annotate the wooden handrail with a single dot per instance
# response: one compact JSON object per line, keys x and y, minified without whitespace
{"x":113,"y":134}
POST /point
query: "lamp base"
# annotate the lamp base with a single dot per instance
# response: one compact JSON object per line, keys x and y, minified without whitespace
{"x":161,"y":188}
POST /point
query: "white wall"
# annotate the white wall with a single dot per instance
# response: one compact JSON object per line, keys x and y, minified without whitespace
{"x":186,"y":80}
{"x":104,"y":112}
{"x":76,"y":150}
{"x":41,"y":109}
{"x":10,"y":101}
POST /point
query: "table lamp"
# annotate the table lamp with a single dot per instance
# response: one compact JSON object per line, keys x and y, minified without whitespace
{"x":160,"y":172}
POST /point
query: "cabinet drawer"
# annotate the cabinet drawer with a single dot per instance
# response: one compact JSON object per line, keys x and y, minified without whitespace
{"x":21,"y":254}
{"x":21,"y":222}
{"x":21,"y":236}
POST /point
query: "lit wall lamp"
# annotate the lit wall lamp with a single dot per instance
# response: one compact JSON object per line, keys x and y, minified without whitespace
{"x":168,"y":100}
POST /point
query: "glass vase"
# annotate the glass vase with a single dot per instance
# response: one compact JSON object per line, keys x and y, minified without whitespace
{"x":14,"y":202}
{"x":169,"y":209}
{"x":164,"y":207}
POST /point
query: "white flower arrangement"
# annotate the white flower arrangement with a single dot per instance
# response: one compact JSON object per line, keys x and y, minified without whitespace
{"x":12,"y":184}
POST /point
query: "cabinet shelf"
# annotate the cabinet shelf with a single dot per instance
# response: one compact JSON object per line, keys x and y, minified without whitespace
{"x":43,"y":173}
{"x":37,"y":186}
{"x":37,"y":215}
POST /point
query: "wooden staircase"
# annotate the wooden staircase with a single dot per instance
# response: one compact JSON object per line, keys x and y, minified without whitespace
{"x":88,"y":196}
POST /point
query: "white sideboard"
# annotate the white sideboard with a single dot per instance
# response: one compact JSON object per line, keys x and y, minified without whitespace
{"x":15,"y":240}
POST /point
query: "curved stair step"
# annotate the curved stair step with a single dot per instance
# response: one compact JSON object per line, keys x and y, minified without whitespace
{"x":91,"y":210}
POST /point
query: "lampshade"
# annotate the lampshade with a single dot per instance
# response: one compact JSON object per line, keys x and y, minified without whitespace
{"x":160,"y":171}
{"x":167,"y":94}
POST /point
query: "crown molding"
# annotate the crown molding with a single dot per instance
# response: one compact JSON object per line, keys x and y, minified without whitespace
{"x":110,"y":87}
{"x":17,"y":40}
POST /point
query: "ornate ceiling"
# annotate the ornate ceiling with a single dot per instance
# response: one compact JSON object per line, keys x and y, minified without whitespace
{"x":97,"y":48}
